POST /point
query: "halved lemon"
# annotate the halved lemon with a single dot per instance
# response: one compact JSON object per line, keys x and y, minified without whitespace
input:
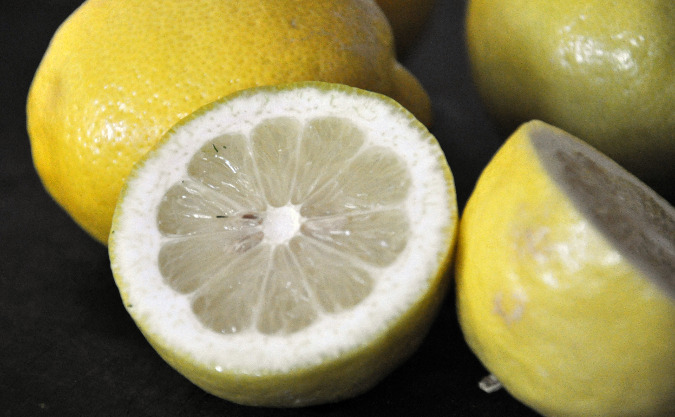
{"x":565,"y":276}
{"x":287,"y":246}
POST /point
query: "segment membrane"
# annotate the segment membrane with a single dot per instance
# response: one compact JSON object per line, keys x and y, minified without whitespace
{"x":190,"y":208}
{"x":334,"y":279}
{"x":375,"y":237}
{"x":274,"y":148}
{"x":187,"y":263}
{"x":225,"y":164}
{"x":229,"y":300}
{"x":286,"y":303}
{"x":376,"y":177}
{"x":349,"y":198}
{"x":327,"y":144}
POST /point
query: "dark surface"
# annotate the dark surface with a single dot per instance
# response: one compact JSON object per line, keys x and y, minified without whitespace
{"x":68,"y":347}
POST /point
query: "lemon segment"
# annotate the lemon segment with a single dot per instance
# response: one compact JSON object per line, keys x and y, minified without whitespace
{"x":287,"y":246}
{"x":565,"y":275}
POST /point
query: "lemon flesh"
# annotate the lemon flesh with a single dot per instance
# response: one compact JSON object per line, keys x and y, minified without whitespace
{"x":565,"y":275}
{"x":287,"y":246}
{"x":165,"y":59}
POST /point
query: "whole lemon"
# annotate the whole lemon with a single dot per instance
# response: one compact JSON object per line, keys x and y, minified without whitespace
{"x":407,"y":18}
{"x":118,"y":74}
{"x":603,"y":71}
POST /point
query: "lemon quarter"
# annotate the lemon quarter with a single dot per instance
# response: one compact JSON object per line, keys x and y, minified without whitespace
{"x":566,"y":279}
{"x":287,"y":246}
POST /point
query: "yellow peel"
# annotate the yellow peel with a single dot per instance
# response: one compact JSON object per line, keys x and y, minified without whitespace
{"x":568,"y":317}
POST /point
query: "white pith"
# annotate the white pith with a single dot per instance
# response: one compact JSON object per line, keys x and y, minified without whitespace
{"x":281,"y":224}
{"x":430,"y":207}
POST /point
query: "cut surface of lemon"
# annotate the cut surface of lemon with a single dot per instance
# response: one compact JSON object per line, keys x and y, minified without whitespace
{"x":565,"y":275}
{"x":287,"y":246}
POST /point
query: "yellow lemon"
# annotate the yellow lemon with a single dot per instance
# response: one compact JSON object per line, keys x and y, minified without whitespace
{"x":565,"y":275}
{"x":287,"y":246}
{"x":408,"y":19}
{"x":605,"y":72}
{"x":118,"y":74}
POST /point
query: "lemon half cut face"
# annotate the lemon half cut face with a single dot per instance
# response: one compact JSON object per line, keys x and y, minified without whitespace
{"x":287,"y":246}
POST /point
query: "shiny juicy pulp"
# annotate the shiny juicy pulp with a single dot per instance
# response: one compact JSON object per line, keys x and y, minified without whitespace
{"x":271,"y":231}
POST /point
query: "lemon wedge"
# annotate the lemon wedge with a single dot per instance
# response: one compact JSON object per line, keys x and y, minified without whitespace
{"x":287,"y":246}
{"x":565,"y":275}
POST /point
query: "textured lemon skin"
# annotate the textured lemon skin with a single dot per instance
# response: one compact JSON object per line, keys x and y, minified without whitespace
{"x":603,"y":72}
{"x":408,"y":19}
{"x":118,"y":74}
{"x":567,"y":325}
{"x":338,"y":377}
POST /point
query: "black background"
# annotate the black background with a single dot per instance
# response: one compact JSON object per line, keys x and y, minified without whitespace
{"x":68,"y":347}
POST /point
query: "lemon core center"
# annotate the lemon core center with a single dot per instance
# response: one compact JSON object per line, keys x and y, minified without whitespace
{"x":281,"y":224}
